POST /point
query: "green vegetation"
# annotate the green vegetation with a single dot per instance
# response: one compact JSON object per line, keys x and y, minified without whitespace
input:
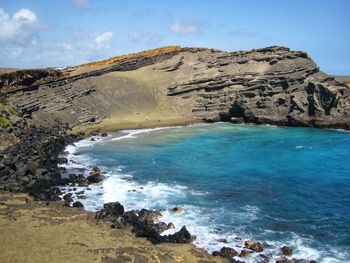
{"x":11,"y":110}
{"x":5,"y":122}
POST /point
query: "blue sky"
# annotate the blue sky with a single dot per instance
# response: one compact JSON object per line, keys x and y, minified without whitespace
{"x":41,"y":33}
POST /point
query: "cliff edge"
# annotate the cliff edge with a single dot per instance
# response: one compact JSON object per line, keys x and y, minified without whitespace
{"x":272,"y":85}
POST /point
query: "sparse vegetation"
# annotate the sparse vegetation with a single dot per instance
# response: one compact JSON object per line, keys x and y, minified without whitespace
{"x":5,"y":122}
{"x":6,"y":115}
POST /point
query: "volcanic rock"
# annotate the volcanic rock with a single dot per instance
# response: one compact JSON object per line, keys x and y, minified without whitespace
{"x":286,"y":251}
{"x":256,"y":246}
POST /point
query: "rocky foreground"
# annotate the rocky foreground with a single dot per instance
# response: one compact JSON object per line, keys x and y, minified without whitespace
{"x":44,"y":110}
{"x":33,"y":231}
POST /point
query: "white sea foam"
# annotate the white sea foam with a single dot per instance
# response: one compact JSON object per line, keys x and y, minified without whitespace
{"x":299,"y":147}
{"x":134,"y":133}
{"x":120,"y":186}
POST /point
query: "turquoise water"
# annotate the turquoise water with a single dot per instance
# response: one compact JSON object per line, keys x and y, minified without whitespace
{"x":278,"y":185}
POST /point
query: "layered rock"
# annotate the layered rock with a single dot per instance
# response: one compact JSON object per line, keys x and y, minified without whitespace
{"x":272,"y":85}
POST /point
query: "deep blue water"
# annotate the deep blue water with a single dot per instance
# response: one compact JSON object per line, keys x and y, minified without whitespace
{"x":277,"y":185}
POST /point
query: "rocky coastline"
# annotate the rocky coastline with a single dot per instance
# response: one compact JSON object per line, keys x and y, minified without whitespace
{"x":147,"y":223}
{"x":32,"y":167}
{"x":44,"y":111}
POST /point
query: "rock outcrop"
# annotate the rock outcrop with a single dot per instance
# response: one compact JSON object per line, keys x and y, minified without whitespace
{"x":271,"y":85}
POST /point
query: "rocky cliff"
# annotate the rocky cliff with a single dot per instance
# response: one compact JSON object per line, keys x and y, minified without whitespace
{"x":271,"y":85}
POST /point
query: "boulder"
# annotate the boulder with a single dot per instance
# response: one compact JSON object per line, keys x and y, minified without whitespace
{"x":62,"y":160}
{"x":78,"y":204}
{"x":104,"y":134}
{"x":176,"y":210}
{"x":67,"y":199}
{"x":245,"y":253}
{"x":95,"y":176}
{"x":286,"y":251}
{"x":228,"y":252}
{"x":149,"y":215}
{"x":181,"y":237}
{"x":256,"y":246}
{"x":110,"y":211}
{"x":225,"y":252}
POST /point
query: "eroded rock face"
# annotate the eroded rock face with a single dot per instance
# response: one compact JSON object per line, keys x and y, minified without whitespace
{"x":271,"y":85}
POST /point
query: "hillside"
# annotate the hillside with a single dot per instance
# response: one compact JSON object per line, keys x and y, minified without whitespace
{"x":174,"y":85}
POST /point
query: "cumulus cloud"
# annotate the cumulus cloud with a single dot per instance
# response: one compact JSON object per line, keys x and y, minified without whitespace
{"x":102,"y":40}
{"x":21,"y":26}
{"x":81,"y":3}
{"x":186,"y":27}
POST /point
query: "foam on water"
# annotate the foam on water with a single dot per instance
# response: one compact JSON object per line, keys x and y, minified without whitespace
{"x":120,"y":185}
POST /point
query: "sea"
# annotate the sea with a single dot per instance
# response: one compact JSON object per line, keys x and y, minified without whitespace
{"x":280,"y":186}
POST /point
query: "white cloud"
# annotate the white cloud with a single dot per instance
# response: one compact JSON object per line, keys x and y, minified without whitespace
{"x":25,"y":16}
{"x":104,"y":37}
{"x":81,"y":3}
{"x":20,"y":27}
{"x":185,"y":27}
{"x":102,"y":40}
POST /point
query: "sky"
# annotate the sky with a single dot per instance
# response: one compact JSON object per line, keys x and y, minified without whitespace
{"x":55,"y":33}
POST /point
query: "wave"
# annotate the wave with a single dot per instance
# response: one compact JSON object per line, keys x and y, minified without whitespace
{"x":211,"y":235}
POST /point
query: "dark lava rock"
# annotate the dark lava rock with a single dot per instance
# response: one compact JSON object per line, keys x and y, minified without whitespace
{"x":176,"y":210}
{"x":104,"y":134}
{"x":142,"y":223}
{"x":149,"y":215}
{"x":95,"y":176}
{"x":31,"y":165}
{"x":286,"y":251}
{"x":181,"y":237}
{"x":256,"y":246}
{"x":110,"y":211}
{"x":225,"y":252}
{"x":67,"y":199}
{"x":245,"y":253}
{"x":78,"y":204}
{"x":62,"y":160}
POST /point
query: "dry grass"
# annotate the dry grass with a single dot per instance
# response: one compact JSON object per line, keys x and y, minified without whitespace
{"x":34,"y":232}
{"x":121,"y":58}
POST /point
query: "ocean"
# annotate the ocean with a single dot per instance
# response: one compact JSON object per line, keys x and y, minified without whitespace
{"x":280,"y":186}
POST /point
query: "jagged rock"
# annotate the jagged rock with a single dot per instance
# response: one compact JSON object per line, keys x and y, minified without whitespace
{"x":181,"y":237}
{"x":110,"y":211}
{"x":149,"y":215}
{"x":256,"y":246}
{"x":245,"y":253}
{"x":62,"y":160}
{"x":225,"y":252}
{"x":95,"y":176}
{"x":271,"y":85}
